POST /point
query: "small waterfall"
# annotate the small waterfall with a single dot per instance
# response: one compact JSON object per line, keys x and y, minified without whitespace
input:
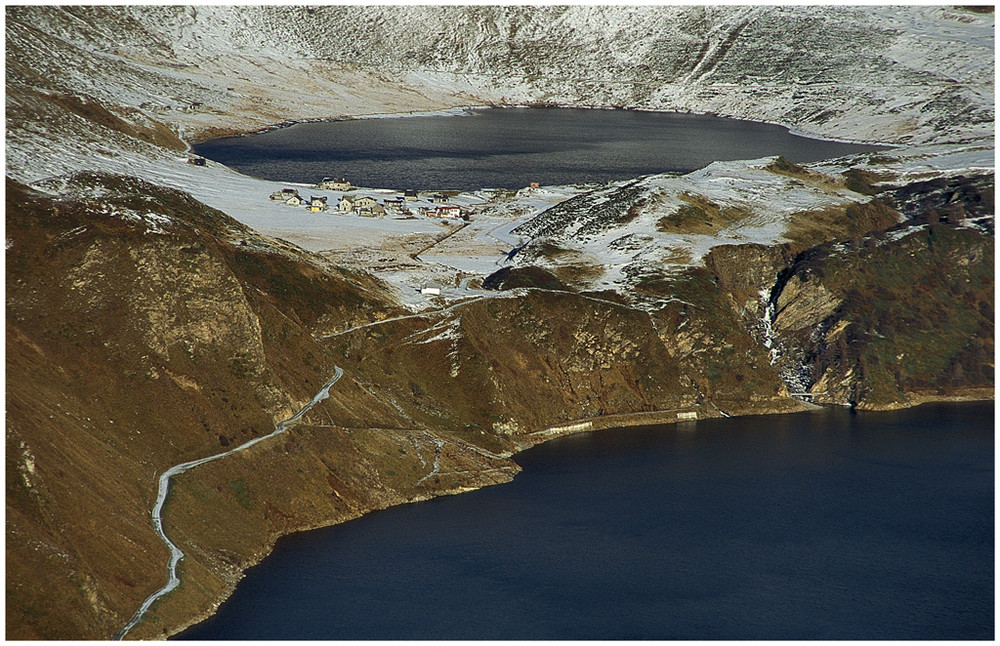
{"x":767,"y":324}
{"x":795,"y":377}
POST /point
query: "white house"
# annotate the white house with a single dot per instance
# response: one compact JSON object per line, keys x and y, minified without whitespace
{"x":450,"y":211}
{"x":331,"y":184}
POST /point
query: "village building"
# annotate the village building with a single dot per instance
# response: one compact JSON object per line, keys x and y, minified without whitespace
{"x":317,"y":204}
{"x":331,"y":184}
{"x":448,"y":212}
{"x":295,"y":200}
{"x":365,"y":202}
{"x":393,"y":204}
{"x":439,"y":198}
{"x":410,"y":194}
{"x":346,"y":204}
{"x":284,"y":194}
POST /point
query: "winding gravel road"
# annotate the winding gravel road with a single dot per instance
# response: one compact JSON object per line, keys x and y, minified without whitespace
{"x":164,"y":485}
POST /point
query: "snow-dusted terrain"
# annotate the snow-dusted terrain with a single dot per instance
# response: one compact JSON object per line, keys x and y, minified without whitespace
{"x":889,"y":74}
{"x":919,"y":76}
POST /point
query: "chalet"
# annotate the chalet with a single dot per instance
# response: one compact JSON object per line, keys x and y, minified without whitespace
{"x":448,"y":212}
{"x":393,"y":204}
{"x":331,"y":184}
{"x":374,"y":211}
{"x":295,"y":200}
{"x":346,"y":204}
{"x":284,"y":194}
{"x":317,"y":204}
{"x":410,"y":194}
{"x":439,"y":198}
{"x":365,"y":202}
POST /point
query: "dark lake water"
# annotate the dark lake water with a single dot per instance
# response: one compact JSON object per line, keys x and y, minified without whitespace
{"x":820,"y":525}
{"x":509,"y":148}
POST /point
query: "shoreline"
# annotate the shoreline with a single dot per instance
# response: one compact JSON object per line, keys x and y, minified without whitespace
{"x":231,"y":582}
{"x":610,"y":423}
{"x":198,"y":137}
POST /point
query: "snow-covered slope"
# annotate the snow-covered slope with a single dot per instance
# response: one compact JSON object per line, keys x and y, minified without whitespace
{"x":120,"y":89}
{"x":901,"y":74}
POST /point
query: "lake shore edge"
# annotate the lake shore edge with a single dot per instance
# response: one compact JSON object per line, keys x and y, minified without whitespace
{"x":600,"y":424}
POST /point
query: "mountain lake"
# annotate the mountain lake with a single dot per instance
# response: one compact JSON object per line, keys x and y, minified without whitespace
{"x":827,"y":524}
{"x":509,"y":148}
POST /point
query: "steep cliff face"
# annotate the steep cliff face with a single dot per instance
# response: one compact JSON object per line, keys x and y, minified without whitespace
{"x":833,"y":303}
{"x":893,"y":319}
{"x":884,"y":314}
{"x":534,"y":359}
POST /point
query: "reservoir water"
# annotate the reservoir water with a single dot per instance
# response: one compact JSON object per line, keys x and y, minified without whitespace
{"x":819,"y":525}
{"x":509,"y":148}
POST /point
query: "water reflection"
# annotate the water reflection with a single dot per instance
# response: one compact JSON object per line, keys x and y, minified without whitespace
{"x":508,"y":148}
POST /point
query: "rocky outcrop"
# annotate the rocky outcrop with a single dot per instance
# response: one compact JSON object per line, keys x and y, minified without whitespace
{"x":746,"y":273}
{"x":891,"y":320}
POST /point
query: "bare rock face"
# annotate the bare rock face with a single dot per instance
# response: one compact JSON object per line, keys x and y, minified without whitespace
{"x":894,"y":319}
{"x":515,"y":366}
{"x":747,"y":273}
